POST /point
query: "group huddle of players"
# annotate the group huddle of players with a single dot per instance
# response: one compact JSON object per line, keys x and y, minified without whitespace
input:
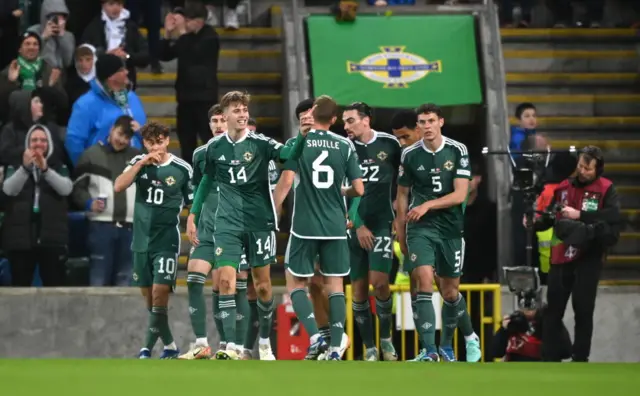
{"x":234,"y":218}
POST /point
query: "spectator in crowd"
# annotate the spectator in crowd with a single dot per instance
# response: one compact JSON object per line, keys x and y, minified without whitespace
{"x":58,"y":44}
{"x":81,"y":13}
{"x":28,"y":72}
{"x":35,"y":225}
{"x":151,"y":12}
{"x":95,"y":112}
{"x":527,"y":122}
{"x":81,"y":73}
{"x":114,"y":32}
{"x":252,"y":125}
{"x":196,"y":46}
{"x":110,"y":214}
{"x":506,"y":13}
{"x":10,"y":14}
{"x":28,"y":108}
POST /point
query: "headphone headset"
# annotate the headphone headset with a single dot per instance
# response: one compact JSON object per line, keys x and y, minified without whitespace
{"x":596,"y":154}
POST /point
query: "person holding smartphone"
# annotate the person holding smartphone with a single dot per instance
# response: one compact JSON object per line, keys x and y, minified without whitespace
{"x":58,"y":44}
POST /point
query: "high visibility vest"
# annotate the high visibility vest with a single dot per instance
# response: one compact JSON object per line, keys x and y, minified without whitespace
{"x":545,"y":237}
{"x":402,"y":278}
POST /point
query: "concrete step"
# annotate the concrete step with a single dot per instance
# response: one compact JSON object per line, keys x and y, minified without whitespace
{"x":580,"y":104}
{"x":242,"y":60}
{"x":226,"y":80}
{"x":585,"y":123}
{"x":630,"y":198}
{"x":629,"y":244}
{"x":621,"y":150}
{"x":165,"y":105}
{"x":571,"y":79}
{"x":556,"y":35}
{"x":584,"y":61}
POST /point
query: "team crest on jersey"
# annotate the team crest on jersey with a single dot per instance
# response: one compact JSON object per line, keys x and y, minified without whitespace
{"x":382,"y":156}
{"x":170,"y":181}
{"x":448,"y":165}
{"x":414,"y":257}
{"x":135,"y":277}
{"x":247,"y":156}
{"x":464,"y":162}
{"x":218,"y":251}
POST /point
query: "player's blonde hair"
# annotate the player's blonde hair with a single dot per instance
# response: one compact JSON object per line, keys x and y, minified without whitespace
{"x":325,"y":109}
{"x":234,"y":97}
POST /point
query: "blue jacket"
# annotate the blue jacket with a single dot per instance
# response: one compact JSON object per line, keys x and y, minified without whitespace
{"x":518,"y":136}
{"x":93,"y":116}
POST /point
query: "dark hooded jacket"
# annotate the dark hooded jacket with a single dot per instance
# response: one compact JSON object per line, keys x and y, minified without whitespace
{"x":36,"y":202}
{"x":13,"y":134}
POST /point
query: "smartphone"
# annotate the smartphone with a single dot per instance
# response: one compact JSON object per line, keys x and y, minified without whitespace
{"x":55,"y":19}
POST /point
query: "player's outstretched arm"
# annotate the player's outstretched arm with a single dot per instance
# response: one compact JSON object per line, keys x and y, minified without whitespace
{"x":293,"y":150}
{"x":130,"y":173}
{"x":282,"y":188}
{"x":353,"y":213}
{"x":356,"y":189}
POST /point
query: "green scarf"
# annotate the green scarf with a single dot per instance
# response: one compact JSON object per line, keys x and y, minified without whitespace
{"x":29,"y":73}
{"x":121,"y":98}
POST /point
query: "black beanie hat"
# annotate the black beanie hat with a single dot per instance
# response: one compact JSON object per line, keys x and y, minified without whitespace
{"x":28,"y":34}
{"x":108,"y":65}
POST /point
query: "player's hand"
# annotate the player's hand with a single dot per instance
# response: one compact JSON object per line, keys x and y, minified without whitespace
{"x":416,"y":213}
{"x":570,"y":213}
{"x":365,"y":237}
{"x":192,"y":231}
{"x":306,"y":120}
{"x":151,"y":158}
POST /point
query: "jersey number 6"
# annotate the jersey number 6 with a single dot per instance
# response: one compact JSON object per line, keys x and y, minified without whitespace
{"x":318,"y":169}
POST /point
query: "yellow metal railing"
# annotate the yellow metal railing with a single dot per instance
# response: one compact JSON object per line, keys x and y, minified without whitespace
{"x":403,"y":292}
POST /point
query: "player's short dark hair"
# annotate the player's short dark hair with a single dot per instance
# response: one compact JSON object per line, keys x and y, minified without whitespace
{"x":404,"y":119}
{"x":362,"y":108}
{"x":522,"y":107}
{"x":252,"y":122}
{"x":326,"y":109}
{"x":303,"y":107}
{"x":124,"y":124}
{"x":429,"y":108}
{"x":235,"y":97}
{"x":215,"y":110}
{"x":153,"y":131}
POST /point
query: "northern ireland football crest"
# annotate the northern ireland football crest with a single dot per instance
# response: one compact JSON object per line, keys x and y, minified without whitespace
{"x":170,"y":181}
{"x":448,"y":165}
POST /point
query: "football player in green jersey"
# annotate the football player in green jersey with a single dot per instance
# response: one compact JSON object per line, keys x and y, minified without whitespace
{"x":163,"y":187}
{"x":319,"y":224}
{"x":370,"y":240}
{"x":245,"y":217}
{"x":437,"y":171}
{"x":202,"y":255}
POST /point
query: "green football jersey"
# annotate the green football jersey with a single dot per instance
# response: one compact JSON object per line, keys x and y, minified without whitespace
{"x":241,"y":169}
{"x":319,"y":210}
{"x":161,"y":192}
{"x":430,"y":175}
{"x":379,"y":162}
{"x":208,"y":212}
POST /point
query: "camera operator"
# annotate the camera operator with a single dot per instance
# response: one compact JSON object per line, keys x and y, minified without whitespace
{"x":519,"y":339}
{"x":585,"y":216}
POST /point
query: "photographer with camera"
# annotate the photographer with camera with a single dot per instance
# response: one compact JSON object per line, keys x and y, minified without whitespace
{"x":520,"y":338}
{"x":585,"y":216}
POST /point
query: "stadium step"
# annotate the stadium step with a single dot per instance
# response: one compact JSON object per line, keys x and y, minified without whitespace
{"x":584,"y":84}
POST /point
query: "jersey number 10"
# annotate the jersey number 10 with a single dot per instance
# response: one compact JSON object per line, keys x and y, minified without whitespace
{"x":155,"y":196}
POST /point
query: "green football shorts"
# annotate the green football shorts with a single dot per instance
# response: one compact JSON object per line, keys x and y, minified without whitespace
{"x":256,"y":248}
{"x":302,"y":255}
{"x":150,"y":268}
{"x":379,"y":259}
{"x":445,"y":255}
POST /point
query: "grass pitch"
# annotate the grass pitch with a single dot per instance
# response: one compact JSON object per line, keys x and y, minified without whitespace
{"x":153,"y":377}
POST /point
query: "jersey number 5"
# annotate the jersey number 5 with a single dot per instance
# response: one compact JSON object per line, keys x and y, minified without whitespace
{"x":437,"y":184}
{"x":319,"y":169}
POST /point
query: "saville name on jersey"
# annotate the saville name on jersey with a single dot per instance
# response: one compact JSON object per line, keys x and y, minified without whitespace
{"x":329,"y":144}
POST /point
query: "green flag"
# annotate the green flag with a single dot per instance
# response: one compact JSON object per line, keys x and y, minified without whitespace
{"x":397,"y":61}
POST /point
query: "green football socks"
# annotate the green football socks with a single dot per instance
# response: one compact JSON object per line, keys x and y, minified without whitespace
{"x":337,"y":317}
{"x":426,"y":325}
{"x":383,"y":311}
{"x":265,"y":312}
{"x":152,"y":333}
{"x":455,"y":314}
{"x":216,"y":315}
{"x":242,"y":310}
{"x":197,"y":306}
{"x":362,"y":317}
{"x":159,"y":323}
{"x":304,"y":311}
{"x":228,"y":313}
{"x":254,"y":325}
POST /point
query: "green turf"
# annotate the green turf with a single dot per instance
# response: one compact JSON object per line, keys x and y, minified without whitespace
{"x":255,"y":378}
